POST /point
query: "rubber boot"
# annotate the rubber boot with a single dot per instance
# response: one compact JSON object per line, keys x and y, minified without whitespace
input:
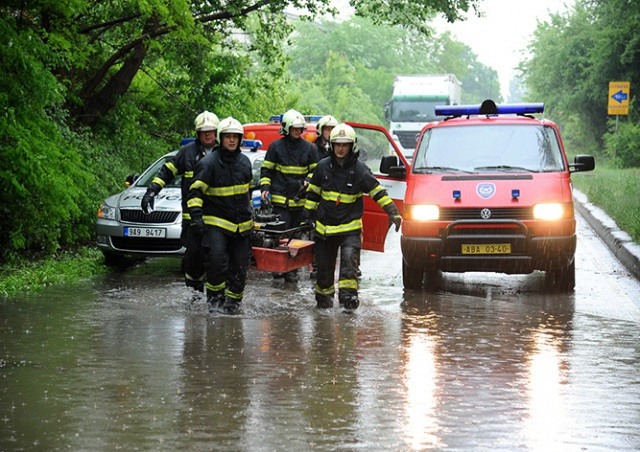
{"x":324,"y":301}
{"x":231,"y":305}
{"x":215,"y":300}
{"x":350,"y":303}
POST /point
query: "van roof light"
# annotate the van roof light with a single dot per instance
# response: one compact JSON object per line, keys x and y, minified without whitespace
{"x":487,"y":108}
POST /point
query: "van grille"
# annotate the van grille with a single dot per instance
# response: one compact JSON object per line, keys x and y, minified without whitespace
{"x":505,"y":213}
{"x":156,"y":217}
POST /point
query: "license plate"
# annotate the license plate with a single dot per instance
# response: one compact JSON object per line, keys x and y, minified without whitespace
{"x":152,"y":233}
{"x":486,"y":248}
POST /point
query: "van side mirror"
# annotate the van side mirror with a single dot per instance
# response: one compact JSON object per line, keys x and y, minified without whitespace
{"x":582,"y":163}
{"x":131,"y":178}
{"x":390,"y":165}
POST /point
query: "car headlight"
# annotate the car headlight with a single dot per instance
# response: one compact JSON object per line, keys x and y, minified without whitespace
{"x":107,"y":212}
{"x":551,"y":211}
{"x":424,"y":212}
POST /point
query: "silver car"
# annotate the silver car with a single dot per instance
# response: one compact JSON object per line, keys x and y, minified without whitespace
{"x":124,"y":231}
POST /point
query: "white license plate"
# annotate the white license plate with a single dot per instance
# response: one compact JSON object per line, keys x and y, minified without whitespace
{"x":151,"y":233}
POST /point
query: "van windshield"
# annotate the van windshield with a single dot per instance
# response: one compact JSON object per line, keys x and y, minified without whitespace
{"x":489,"y":148}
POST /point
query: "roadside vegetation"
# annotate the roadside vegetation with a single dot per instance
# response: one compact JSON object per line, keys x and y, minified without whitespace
{"x":94,"y":92}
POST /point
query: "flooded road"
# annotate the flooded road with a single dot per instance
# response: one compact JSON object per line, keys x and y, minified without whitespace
{"x":491,"y":362}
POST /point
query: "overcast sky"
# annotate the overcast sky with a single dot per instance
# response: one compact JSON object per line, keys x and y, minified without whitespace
{"x":503,"y":33}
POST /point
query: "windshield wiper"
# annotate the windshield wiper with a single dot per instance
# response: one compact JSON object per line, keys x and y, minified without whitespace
{"x":504,"y":167}
{"x":431,"y":169}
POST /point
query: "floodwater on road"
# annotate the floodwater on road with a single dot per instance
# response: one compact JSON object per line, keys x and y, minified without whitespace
{"x":491,"y":362}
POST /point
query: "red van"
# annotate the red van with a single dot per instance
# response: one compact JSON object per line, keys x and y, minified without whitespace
{"x":488,"y":189}
{"x":266,"y":132}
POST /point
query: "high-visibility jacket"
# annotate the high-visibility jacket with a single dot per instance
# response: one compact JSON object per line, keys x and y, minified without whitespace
{"x":335,"y":196}
{"x":221,"y":192}
{"x":286,"y":165}
{"x":183,"y":163}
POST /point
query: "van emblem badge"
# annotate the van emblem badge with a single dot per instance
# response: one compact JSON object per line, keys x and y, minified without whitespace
{"x":485,"y":214}
{"x":486,"y":190}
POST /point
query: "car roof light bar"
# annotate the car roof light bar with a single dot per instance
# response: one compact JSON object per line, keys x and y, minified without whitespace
{"x":311,"y":118}
{"x":465,"y":110}
{"x":253,"y":144}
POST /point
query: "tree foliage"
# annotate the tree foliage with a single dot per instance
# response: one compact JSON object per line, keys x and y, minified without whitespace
{"x":574,"y":56}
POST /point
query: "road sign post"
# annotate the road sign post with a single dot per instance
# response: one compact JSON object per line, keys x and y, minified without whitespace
{"x":618,"y":105}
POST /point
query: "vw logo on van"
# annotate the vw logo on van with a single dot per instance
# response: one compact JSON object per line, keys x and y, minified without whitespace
{"x":486,"y":190}
{"x":485,"y":214}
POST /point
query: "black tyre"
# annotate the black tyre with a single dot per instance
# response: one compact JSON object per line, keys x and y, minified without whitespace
{"x":561,"y":278}
{"x":412,"y":275}
{"x":432,"y":279}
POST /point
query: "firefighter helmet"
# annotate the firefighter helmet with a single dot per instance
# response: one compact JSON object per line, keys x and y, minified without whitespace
{"x":292,"y":118}
{"x":206,"y":122}
{"x":229,"y":125}
{"x":326,"y":121}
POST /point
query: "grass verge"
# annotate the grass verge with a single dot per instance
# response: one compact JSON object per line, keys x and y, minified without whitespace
{"x":65,"y":267}
{"x":617,"y":192}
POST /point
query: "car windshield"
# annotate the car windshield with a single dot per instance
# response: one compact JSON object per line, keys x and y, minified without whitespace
{"x":487,"y":148}
{"x":152,"y":171}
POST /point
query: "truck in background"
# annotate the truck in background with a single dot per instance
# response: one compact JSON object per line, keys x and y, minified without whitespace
{"x":413,"y":103}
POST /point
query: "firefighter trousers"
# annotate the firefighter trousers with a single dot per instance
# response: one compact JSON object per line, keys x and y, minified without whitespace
{"x":193,"y":259}
{"x":327,"y":249}
{"x":226,"y":259}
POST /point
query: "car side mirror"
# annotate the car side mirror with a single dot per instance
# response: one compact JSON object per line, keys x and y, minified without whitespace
{"x":582,"y":163}
{"x":131,"y":178}
{"x":390,"y":165}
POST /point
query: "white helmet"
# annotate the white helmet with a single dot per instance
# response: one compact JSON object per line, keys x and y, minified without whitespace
{"x":292,"y":118}
{"x":229,"y":125}
{"x":206,"y":122}
{"x":326,"y":121}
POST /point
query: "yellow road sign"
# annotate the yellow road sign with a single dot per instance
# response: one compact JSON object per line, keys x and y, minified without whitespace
{"x":618,"y":98}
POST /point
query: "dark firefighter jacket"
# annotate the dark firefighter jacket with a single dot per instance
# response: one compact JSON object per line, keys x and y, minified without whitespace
{"x":335,"y":196}
{"x":323,"y":147}
{"x":183,"y":163}
{"x":221,"y":192}
{"x":286,"y":165}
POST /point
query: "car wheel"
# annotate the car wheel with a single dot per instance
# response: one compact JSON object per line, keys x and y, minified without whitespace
{"x":561,"y":278}
{"x":432,"y":279}
{"x":412,"y":275}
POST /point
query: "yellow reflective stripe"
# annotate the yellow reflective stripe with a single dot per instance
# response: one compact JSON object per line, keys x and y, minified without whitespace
{"x":188,"y":174}
{"x":385,"y":200}
{"x":311,"y":188}
{"x":348,"y":284}
{"x":186,"y":216}
{"x":377,"y":189}
{"x":344,"y":197}
{"x":188,"y":277}
{"x":327,"y":291}
{"x":268,"y":164}
{"x":230,"y":190}
{"x":217,"y":287}
{"x":297,"y":170}
{"x":233,"y":295}
{"x":228,"y":225}
{"x":265,"y":181}
{"x":194,"y":202}
{"x":311,"y":205}
{"x":172,"y":168}
{"x":312,"y":166}
{"x":199,"y":185}
{"x":340,"y":228}
{"x":278,"y":199}
{"x":158,"y":181}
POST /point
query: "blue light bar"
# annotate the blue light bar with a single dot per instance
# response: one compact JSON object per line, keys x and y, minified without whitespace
{"x":186,"y":141}
{"x":465,"y":110}
{"x":310,"y":118}
{"x":253,"y":144}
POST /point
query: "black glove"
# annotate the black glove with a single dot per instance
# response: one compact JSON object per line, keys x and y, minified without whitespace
{"x":309,"y":223}
{"x":148,"y":200}
{"x":198,"y":225}
{"x":395,"y":219}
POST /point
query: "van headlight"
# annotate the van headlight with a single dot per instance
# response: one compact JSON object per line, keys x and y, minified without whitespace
{"x":107,"y":212}
{"x":550,"y":212}
{"x":424,"y":212}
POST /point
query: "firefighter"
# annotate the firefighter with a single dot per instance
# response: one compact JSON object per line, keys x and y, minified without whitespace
{"x":324,"y":127}
{"x":334,"y":208}
{"x":219,"y":202}
{"x":184,"y":164}
{"x":285,"y":173}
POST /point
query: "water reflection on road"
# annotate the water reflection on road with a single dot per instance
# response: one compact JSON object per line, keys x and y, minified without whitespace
{"x":133,"y":363}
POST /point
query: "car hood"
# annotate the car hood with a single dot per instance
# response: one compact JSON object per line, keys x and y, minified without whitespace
{"x":130,"y":199}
